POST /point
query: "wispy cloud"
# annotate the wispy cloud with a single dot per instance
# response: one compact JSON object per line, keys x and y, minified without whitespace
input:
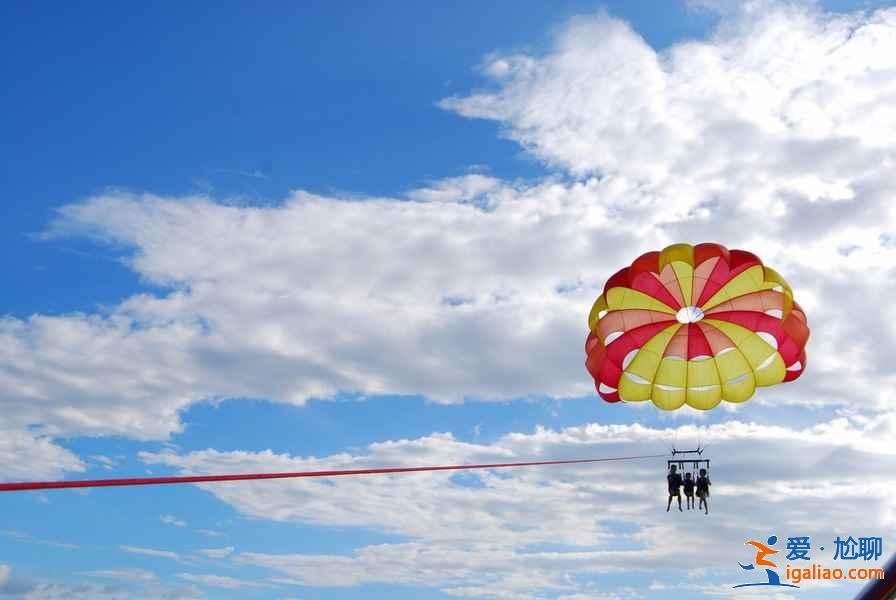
{"x":210,"y":533}
{"x":253,"y":173}
{"x":152,"y":552}
{"x":172,"y":520}
{"x":30,"y":539}
{"x":217,"y":552}
{"x":122,"y":574}
{"x":106,"y":462}
{"x":223,"y":581}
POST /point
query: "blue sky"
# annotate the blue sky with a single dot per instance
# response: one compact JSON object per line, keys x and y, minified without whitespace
{"x":344,"y":233}
{"x":181,"y":99}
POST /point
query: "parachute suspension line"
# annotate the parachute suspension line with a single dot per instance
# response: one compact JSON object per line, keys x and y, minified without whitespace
{"x":708,"y":438}
{"x":91,"y":483}
{"x":695,"y":469}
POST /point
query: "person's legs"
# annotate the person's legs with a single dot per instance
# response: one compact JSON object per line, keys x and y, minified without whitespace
{"x":704,"y":503}
{"x":679,"y":503}
{"x":669,"y":503}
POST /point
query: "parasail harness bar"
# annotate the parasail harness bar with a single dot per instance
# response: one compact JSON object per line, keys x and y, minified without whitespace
{"x":695,"y":463}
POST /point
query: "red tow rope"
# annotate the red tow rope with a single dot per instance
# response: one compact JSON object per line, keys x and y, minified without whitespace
{"x":90,"y":483}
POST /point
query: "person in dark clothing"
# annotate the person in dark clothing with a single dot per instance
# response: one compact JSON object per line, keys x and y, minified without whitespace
{"x":689,"y":490}
{"x":674,"y":480}
{"x":703,"y":484}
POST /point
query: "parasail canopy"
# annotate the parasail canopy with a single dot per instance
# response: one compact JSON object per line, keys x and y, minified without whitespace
{"x":694,"y":325}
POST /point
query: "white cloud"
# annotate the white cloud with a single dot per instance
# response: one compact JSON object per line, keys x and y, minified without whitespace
{"x":129,"y":575}
{"x":769,"y":86}
{"x":217,"y":552}
{"x":172,"y":520}
{"x":134,"y":584}
{"x":152,"y":552}
{"x":210,"y":533}
{"x":107,"y":462}
{"x":222,"y":581}
{"x":154,"y":356}
{"x":61,"y":591}
{"x":21,"y":536}
{"x":26,"y":456}
{"x":530,"y":532}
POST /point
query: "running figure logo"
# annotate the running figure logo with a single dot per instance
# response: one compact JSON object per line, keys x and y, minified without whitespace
{"x":762,"y":551}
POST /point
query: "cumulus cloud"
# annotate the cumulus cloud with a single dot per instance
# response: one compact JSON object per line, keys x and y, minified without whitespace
{"x":24,"y":455}
{"x":550,"y":531}
{"x":788,"y":93}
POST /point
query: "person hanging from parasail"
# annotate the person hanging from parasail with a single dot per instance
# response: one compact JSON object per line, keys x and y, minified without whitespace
{"x":674,"y":481}
{"x":703,"y":484}
{"x":689,"y":490}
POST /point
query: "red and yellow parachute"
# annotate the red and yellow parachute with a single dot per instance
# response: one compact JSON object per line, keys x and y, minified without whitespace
{"x":694,"y":325}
